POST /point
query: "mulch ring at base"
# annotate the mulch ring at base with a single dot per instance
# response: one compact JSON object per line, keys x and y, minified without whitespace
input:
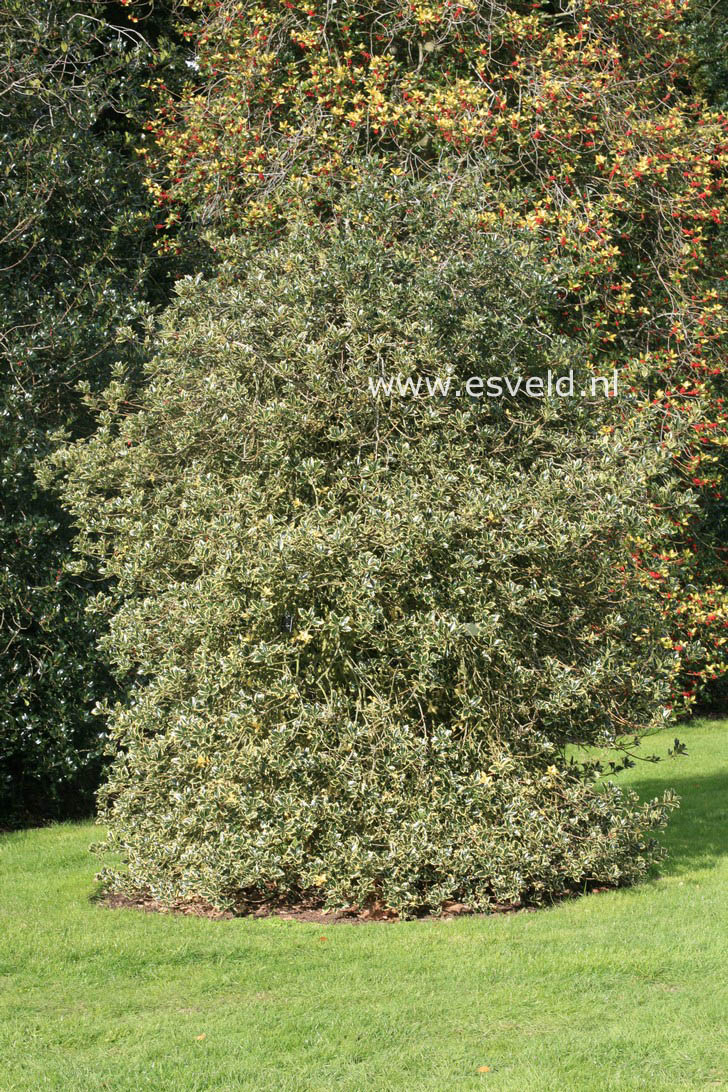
{"x":353,"y":916}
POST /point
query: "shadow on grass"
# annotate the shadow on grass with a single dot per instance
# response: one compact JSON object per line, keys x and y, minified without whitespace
{"x":697,"y":834}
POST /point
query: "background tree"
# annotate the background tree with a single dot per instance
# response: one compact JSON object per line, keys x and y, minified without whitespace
{"x":708,"y":28}
{"x":77,"y":252}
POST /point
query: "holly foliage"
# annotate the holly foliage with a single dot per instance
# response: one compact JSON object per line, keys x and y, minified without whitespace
{"x":366,"y":630}
{"x":585,"y":111}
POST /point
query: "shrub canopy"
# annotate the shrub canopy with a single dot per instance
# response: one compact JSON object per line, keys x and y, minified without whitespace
{"x":365,"y":629}
{"x":585,"y":111}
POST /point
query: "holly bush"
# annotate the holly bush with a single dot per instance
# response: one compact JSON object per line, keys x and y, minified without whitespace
{"x":366,"y":631}
{"x":585,"y":112}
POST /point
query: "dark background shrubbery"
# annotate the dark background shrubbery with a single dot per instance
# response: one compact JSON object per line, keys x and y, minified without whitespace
{"x":79,"y":265}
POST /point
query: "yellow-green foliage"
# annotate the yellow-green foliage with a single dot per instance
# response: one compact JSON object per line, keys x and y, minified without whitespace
{"x":364,"y":630}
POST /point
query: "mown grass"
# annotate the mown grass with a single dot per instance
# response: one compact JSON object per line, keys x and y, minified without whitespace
{"x":621,"y":990}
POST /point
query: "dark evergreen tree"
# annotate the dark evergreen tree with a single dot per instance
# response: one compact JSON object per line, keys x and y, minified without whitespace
{"x":79,"y":276}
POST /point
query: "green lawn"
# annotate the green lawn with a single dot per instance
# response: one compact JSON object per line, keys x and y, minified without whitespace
{"x":622,"y":990}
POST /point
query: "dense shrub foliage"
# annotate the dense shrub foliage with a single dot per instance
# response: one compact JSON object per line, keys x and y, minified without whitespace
{"x":585,"y":110}
{"x":78,"y":265}
{"x":581,"y":123}
{"x":364,"y":629}
{"x":708,"y":31}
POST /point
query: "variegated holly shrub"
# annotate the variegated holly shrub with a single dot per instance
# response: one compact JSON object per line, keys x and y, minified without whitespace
{"x":368,"y":631}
